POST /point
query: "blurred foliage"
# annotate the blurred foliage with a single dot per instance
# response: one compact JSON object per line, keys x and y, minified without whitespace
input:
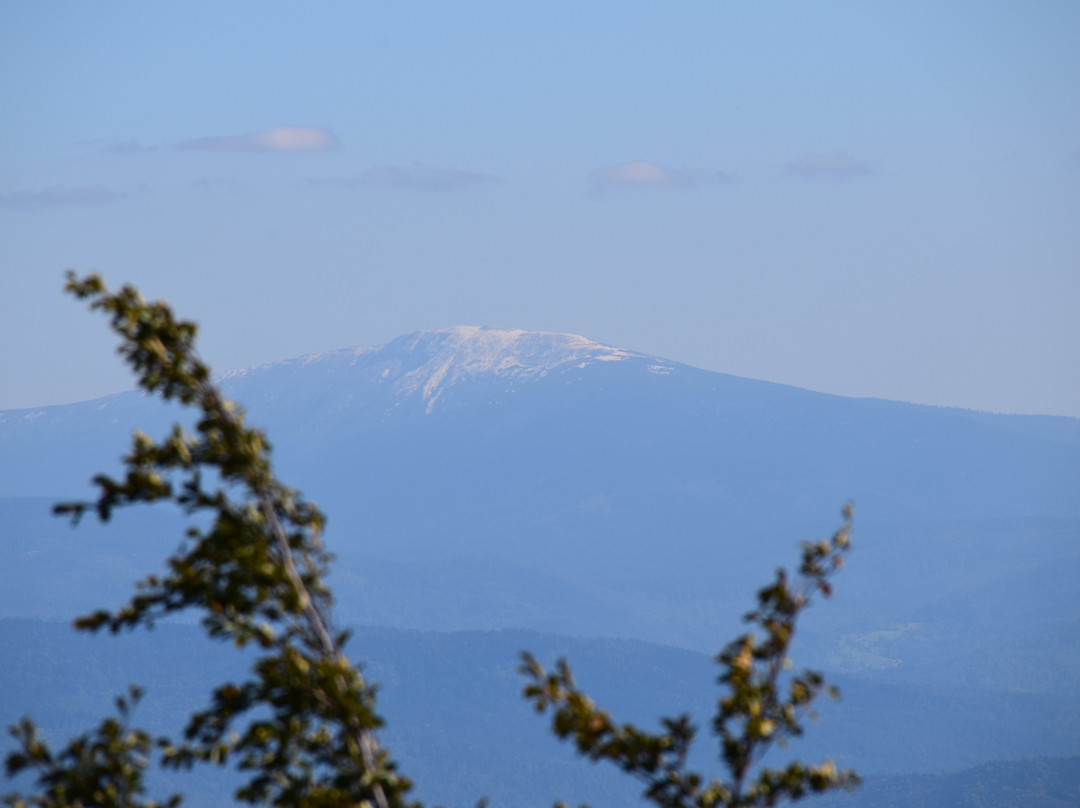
{"x":301,"y":728}
{"x":757,"y":710}
{"x":103,"y":768}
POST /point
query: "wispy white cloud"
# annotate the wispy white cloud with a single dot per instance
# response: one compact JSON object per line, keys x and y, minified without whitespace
{"x":115,"y":147}
{"x":60,"y":196}
{"x":836,"y":166}
{"x":639,"y":173}
{"x":643,"y":174}
{"x":416,"y":177}
{"x":279,"y":139}
{"x":127,"y":147}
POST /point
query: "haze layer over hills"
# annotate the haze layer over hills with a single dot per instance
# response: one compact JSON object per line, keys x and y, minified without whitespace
{"x":483,"y":478}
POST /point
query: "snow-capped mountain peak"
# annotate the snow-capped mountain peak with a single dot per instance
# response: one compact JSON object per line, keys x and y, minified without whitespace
{"x":426,"y":364}
{"x":452,"y":355}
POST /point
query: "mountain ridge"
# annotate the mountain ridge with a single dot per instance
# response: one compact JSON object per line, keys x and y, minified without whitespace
{"x":427,"y":363}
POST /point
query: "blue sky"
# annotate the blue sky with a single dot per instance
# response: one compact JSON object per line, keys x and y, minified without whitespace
{"x":870,"y":199}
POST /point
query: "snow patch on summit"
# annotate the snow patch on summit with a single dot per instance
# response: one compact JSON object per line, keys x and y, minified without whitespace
{"x":425,"y":364}
{"x":465,"y":352}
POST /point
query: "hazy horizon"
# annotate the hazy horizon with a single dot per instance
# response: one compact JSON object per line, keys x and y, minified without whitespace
{"x":870,"y":201}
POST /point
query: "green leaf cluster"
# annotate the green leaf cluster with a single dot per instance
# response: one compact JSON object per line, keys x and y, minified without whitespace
{"x":103,"y":768}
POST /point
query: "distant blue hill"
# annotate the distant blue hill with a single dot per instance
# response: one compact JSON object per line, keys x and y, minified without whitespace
{"x":458,"y":725}
{"x":486,"y":478}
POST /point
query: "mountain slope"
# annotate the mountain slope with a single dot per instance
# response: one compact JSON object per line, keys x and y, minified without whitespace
{"x":485,"y":478}
{"x":428,"y":364}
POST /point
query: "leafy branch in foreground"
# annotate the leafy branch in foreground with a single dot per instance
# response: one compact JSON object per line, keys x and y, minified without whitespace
{"x":257,"y":575}
{"x":302,"y":727}
{"x":758,"y":709}
{"x":100,"y":769}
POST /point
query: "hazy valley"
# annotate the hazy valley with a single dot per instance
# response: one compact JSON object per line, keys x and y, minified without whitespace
{"x":493,"y":490}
